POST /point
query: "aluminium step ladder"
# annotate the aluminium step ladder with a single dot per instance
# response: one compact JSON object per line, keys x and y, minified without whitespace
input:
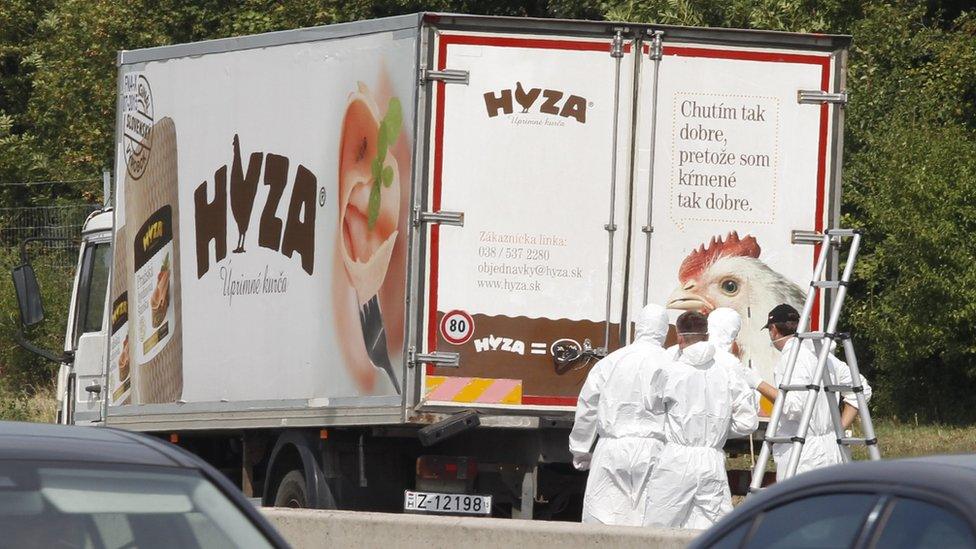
{"x":828,"y":240}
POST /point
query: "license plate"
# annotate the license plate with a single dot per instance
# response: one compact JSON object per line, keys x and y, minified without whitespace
{"x":431,"y":502}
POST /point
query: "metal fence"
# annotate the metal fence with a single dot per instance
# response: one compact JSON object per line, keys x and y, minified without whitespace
{"x":63,"y":222}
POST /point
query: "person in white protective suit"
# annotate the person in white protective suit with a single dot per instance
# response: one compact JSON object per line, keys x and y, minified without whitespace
{"x":820,"y":448}
{"x":611,"y":413}
{"x":723,"y":327}
{"x":703,"y":404}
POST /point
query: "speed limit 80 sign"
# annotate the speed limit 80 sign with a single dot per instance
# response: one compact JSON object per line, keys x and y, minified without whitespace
{"x":457,"y":327}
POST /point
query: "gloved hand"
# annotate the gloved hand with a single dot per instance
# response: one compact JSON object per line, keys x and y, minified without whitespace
{"x":750,"y":376}
{"x":582,"y":462}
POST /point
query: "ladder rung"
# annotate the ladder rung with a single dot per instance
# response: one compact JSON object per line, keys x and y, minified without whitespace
{"x":828,"y":283}
{"x":810,"y":387}
{"x":850,"y":441}
{"x":843,"y":232}
{"x":823,"y":335}
{"x":783,"y":440}
{"x":844,"y":389}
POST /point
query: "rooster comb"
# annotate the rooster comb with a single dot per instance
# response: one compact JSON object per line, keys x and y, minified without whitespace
{"x":717,"y":248}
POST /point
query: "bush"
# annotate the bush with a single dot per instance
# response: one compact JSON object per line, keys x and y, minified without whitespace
{"x":22,"y":373}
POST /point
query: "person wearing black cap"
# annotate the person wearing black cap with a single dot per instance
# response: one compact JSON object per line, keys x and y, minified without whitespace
{"x":821,"y":448}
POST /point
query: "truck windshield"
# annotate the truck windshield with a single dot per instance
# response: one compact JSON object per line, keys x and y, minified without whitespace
{"x":72,"y":505}
{"x":92,"y":287}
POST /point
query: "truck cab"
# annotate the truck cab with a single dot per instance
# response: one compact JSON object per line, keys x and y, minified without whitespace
{"x":81,"y":383}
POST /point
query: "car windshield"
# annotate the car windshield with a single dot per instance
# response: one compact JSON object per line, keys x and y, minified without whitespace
{"x":68,"y":506}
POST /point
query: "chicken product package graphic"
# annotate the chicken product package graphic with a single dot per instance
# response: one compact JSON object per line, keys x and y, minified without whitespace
{"x":152,"y":260}
{"x":441,"y":214}
{"x":119,"y":362}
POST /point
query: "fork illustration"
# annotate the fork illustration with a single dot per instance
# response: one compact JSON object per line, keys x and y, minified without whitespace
{"x":374,"y":334}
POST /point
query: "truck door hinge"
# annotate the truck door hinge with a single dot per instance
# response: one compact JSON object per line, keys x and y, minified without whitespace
{"x":814,"y":97}
{"x":444,"y":218}
{"x":437,"y":358}
{"x":449,"y":76}
{"x":657,"y":46}
{"x":799,"y":236}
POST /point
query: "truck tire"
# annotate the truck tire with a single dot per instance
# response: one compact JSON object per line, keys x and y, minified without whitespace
{"x":292,"y":491}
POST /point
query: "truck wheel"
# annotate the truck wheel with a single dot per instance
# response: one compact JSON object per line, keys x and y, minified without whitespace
{"x":292,"y":491}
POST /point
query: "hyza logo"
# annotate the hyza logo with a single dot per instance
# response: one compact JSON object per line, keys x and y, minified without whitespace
{"x":546,"y":101}
{"x":137,"y":122}
{"x":294,"y":234}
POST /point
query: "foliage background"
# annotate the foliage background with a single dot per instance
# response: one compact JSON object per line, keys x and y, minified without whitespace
{"x":910,"y":158}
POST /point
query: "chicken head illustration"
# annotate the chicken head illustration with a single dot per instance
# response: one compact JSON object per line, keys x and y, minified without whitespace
{"x":728,"y":273}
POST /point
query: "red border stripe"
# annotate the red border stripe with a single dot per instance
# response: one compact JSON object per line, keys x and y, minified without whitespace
{"x":532,"y":43}
{"x":436,"y":203}
{"x":743,"y":55}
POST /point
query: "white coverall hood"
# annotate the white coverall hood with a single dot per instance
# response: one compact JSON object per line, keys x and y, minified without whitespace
{"x":704,"y":403}
{"x":614,"y":411}
{"x":723,"y":328}
{"x":651,"y":324}
{"x":699,"y":355}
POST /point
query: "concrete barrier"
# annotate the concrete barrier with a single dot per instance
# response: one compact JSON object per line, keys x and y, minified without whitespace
{"x":312,"y":528}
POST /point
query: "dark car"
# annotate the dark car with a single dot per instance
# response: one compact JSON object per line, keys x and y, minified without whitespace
{"x":909,"y":503}
{"x":103,"y":488}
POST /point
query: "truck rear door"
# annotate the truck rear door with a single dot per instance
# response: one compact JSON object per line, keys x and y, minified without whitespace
{"x":530,"y":152}
{"x":736,"y":150}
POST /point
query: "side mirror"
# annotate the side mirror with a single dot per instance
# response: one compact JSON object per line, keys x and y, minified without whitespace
{"x":28,"y":295}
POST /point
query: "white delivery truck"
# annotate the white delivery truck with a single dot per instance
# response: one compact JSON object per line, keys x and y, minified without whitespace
{"x":370,"y":264}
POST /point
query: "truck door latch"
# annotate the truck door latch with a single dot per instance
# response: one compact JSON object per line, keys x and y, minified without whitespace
{"x":448,"y":76}
{"x":94,"y":389}
{"x":444,"y":218}
{"x":439,"y":359}
{"x":816,"y":97}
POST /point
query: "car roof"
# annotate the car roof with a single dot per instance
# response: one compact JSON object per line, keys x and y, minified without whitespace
{"x":950,"y":477}
{"x":950,"y":474}
{"x":41,"y":441}
{"x":105,"y":445}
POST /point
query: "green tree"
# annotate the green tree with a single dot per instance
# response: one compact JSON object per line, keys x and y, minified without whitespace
{"x":910,"y":148}
{"x":911,"y":183}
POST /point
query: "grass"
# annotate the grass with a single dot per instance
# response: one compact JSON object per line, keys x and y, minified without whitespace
{"x":39,"y":407}
{"x":897,"y":439}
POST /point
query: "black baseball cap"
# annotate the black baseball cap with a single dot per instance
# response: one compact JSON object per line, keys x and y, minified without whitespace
{"x":782,"y":313}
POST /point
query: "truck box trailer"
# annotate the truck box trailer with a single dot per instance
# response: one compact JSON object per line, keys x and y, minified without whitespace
{"x":348,"y":261}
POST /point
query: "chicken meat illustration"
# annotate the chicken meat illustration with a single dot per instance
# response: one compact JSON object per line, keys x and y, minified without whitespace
{"x":728,"y":273}
{"x":366,"y":249}
{"x":369,"y":220}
